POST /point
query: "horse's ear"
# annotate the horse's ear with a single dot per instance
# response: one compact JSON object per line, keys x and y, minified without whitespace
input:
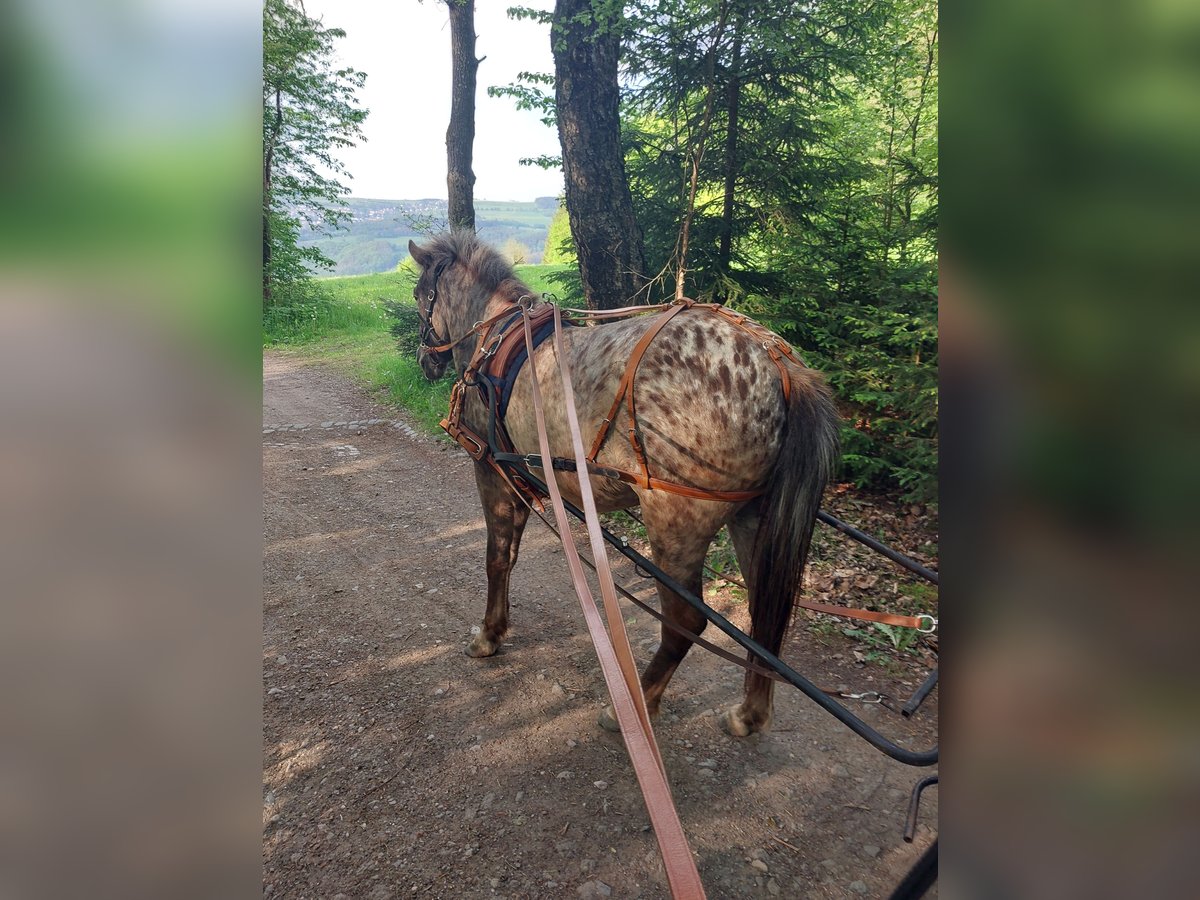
{"x":420,"y":256}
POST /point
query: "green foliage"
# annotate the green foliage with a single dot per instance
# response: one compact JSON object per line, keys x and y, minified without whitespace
{"x":861,"y":269}
{"x":309,"y":112}
{"x":898,"y":638}
{"x":406,"y":325}
{"x":830,"y":235}
{"x":560,"y":246}
{"x":528,"y":91}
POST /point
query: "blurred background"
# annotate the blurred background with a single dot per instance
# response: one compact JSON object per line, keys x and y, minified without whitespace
{"x":1070,"y":412}
{"x":130,"y":532}
{"x":130,"y":535}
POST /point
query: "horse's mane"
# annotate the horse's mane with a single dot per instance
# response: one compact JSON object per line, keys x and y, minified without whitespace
{"x":490,"y":271}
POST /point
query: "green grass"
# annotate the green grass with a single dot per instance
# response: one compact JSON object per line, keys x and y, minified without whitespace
{"x":537,"y":277}
{"x":347,"y":325}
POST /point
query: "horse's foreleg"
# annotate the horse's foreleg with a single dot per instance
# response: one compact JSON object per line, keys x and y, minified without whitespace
{"x":505,"y":516}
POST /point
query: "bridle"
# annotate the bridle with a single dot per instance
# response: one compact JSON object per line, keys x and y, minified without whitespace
{"x":431,"y":342}
{"x":438,"y":347}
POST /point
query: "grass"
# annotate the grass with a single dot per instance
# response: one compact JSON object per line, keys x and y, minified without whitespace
{"x":346,"y":323}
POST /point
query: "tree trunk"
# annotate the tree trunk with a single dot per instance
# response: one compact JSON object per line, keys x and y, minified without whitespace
{"x":268,"y":163}
{"x":460,"y":136}
{"x":266,"y":274}
{"x":607,"y":239}
{"x":734,"y":95}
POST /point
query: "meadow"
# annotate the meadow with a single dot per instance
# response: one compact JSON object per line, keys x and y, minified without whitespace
{"x":346,"y":322}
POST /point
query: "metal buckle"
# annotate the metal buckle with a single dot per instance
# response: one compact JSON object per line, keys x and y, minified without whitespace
{"x":933,"y":624}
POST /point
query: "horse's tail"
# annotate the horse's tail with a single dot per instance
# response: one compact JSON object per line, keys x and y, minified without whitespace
{"x":788,"y":508}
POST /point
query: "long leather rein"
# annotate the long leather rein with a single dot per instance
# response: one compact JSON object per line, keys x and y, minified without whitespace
{"x":612,"y":648}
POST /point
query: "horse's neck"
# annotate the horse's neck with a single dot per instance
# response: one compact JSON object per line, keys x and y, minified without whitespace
{"x":481,"y":308}
{"x":508,"y":294}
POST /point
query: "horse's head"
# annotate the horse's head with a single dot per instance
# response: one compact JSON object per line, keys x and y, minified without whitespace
{"x":434,"y":353}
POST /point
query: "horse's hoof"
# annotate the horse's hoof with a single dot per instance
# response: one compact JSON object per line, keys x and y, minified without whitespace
{"x":738,"y":723}
{"x":480,"y":647}
{"x":608,"y":721}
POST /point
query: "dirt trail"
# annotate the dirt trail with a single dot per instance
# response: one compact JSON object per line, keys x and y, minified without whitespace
{"x":394,"y":766}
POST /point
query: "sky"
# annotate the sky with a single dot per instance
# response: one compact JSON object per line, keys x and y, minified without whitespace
{"x":404,"y":47}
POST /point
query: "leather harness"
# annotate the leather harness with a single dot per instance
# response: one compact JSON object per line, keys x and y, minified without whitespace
{"x":497,"y":360}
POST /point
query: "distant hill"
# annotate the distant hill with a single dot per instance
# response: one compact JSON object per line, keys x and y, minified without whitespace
{"x":376,"y":240}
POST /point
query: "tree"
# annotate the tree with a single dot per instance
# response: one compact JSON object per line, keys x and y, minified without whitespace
{"x":861,"y":266}
{"x":720,"y":112}
{"x":309,"y":112}
{"x":460,"y":135}
{"x":515,"y":252}
{"x":585,"y":37}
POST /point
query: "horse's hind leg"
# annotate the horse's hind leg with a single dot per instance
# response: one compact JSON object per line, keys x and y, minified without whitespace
{"x":754,"y":712}
{"x":505,"y":516}
{"x":680,"y":531}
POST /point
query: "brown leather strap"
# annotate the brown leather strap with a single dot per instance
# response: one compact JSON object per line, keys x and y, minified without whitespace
{"x":626,"y":383}
{"x":619,"y":313}
{"x":484,"y":326}
{"x":616,"y":658}
{"x":695,"y":493}
{"x":868,"y":615}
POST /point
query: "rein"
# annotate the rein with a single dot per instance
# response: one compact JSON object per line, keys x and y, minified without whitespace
{"x":612,"y":648}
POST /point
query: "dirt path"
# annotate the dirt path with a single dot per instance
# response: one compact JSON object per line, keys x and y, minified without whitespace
{"x":394,"y":766}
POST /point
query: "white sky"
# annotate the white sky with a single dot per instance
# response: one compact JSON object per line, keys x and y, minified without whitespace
{"x":404,"y":47}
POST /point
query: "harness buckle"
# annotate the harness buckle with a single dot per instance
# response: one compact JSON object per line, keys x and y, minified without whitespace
{"x":933,"y":624}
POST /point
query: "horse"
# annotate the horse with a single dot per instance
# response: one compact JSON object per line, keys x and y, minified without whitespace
{"x":714,"y":412}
